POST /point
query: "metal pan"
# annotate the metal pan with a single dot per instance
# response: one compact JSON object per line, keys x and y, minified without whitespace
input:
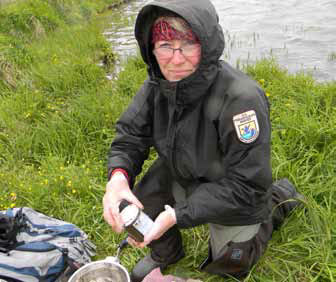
{"x":107,"y":270}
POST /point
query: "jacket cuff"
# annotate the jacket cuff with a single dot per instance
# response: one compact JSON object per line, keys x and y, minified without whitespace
{"x":183,"y":219}
{"x":124,"y":172}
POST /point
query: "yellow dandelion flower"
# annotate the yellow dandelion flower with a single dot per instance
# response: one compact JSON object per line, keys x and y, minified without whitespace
{"x":74,"y":191}
{"x":262,"y":81}
{"x":12,"y":196}
{"x":61,"y":177}
{"x":268,"y":94}
{"x":12,"y":205}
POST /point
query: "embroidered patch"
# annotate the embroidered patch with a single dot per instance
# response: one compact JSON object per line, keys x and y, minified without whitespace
{"x":247,"y":127}
{"x":236,"y":254}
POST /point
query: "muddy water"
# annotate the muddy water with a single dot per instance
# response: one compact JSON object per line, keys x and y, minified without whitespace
{"x":299,"y":34}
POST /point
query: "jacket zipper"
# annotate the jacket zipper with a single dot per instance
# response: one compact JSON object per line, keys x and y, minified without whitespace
{"x":176,"y":115}
{"x":174,"y":153}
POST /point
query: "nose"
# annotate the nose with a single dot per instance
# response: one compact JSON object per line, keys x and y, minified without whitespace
{"x":178,"y":57}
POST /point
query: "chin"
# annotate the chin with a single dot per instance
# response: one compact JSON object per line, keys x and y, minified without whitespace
{"x":177,"y":78}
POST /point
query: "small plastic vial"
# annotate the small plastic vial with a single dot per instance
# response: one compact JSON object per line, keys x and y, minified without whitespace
{"x":136,"y":222}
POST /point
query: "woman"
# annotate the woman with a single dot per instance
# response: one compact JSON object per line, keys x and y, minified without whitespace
{"x":210,"y":125}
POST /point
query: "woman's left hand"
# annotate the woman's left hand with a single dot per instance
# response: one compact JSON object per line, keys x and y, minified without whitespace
{"x":162,"y":223}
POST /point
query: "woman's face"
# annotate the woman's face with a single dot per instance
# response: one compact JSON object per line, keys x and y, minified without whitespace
{"x":177,"y":59}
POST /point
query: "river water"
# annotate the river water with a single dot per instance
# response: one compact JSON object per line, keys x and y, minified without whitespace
{"x":299,"y":34}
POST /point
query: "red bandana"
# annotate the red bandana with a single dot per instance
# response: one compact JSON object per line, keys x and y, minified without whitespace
{"x":162,"y":30}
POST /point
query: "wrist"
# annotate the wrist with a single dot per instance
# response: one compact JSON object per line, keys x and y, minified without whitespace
{"x":117,"y":182}
{"x":171,"y":212}
{"x":120,"y":171}
{"x":118,"y":176}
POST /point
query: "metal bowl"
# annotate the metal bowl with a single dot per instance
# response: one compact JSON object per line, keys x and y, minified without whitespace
{"x":107,"y":270}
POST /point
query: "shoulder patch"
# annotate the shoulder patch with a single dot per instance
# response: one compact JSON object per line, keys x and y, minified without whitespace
{"x":247,"y":127}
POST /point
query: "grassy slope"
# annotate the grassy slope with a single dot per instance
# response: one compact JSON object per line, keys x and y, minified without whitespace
{"x":57,"y":112}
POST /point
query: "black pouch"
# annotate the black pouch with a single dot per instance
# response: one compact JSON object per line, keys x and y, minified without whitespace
{"x":9,"y":228}
{"x":239,"y":257}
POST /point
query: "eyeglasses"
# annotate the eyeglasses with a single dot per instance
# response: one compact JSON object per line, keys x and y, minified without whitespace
{"x":166,"y":52}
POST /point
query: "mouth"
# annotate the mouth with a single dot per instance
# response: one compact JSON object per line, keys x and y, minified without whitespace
{"x":180,"y":71}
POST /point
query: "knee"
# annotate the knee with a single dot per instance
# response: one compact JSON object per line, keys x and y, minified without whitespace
{"x":238,"y":258}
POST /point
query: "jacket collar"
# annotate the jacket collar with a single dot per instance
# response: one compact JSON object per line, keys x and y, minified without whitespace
{"x":189,"y":90}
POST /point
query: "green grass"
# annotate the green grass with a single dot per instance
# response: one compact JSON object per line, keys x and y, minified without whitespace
{"x":57,"y":116}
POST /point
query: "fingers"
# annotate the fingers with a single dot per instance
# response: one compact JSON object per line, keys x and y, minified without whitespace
{"x":161,"y":224}
{"x":135,"y":243}
{"x":153,"y":234}
{"x":112,"y":216}
{"x":121,"y":191}
{"x":134,"y":200}
{"x":114,"y":211}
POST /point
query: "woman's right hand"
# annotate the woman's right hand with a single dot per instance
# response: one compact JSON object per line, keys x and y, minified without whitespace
{"x":117,"y":189}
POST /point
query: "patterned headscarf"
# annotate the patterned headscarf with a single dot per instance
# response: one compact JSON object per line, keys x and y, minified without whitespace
{"x":170,"y":28}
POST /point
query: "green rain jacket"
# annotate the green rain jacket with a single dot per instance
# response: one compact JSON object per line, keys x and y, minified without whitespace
{"x":212,"y":128}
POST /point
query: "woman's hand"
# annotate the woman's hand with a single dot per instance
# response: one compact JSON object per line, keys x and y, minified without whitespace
{"x":162,"y":223}
{"x":117,"y":189}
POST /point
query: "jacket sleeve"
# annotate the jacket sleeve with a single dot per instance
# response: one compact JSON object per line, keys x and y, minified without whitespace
{"x":130,"y":147}
{"x":242,"y":196}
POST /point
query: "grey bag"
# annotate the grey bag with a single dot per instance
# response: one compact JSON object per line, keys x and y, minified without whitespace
{"x":35,"y":247}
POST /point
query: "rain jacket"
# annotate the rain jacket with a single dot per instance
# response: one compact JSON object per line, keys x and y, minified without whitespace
{"x":191,"y":125}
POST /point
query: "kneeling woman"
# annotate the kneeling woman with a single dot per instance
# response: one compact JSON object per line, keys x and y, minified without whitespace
{"x":210,"y":125}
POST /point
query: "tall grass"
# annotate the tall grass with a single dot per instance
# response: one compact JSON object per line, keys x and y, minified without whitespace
{"x":304,"y":149}
{"x":57,"y":115}
{"x":57,"y":109}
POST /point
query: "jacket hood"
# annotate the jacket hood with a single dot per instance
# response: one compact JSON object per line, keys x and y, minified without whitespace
{"x":201,"y":16}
